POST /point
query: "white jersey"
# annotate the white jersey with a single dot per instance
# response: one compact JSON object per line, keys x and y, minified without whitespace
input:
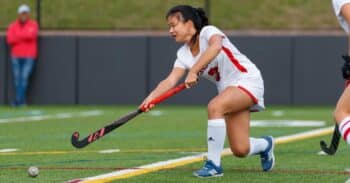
{"x":229,"y":68}
{"x":337,"y":5}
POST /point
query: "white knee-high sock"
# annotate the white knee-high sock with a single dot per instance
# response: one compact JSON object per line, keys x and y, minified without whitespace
{"x":257,"y":145}
{"x":344,"y":128}
{"x":216,"y":139}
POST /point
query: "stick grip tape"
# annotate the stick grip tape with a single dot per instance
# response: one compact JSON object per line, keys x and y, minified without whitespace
{"x":166,"y":95}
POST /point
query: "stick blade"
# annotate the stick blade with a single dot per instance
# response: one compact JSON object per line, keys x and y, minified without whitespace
{"x":75,"y":141}
{"x":324,"y":147}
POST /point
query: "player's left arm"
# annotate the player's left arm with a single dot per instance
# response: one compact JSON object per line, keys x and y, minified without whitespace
{"x":215,"y":45}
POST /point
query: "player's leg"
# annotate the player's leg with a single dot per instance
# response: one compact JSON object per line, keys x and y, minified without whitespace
{"x":237,"y":125}
{"x":228,"y":100}
{"x":342,"y":115}
{"x":231,"y":100}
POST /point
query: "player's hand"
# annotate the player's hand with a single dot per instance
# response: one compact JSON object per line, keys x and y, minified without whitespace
{"x":346,"y":67}
{"x":146,"y":104}
{"x":191,"y":80}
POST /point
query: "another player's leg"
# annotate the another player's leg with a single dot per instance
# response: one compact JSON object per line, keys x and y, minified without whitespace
{"x":242,"y":145}
{"x":342,"y":115}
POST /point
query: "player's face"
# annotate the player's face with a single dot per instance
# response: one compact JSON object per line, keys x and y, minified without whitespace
{"x":181,"y":31}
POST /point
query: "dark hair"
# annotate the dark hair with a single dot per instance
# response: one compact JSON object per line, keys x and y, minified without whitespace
{"x":196,"y":15}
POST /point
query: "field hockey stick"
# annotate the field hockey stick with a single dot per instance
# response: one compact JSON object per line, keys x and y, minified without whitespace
{"x":112,"y":126}
{"x":334,"y":143}
{"x":332,"y":149}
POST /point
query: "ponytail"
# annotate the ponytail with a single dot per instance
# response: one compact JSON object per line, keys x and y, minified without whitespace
{"x":204,"y":19}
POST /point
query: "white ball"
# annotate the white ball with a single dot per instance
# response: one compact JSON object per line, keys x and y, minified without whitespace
{"x":33,"y":171}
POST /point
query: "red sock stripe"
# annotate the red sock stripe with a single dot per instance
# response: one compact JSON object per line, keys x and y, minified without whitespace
{"x":234,"y":60}
{"x":346,"y":134}
{"x":255,"y":100}
{"x":341,"y":127}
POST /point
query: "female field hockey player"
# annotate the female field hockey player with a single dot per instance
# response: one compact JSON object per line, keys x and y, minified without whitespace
{"x":207,"y":52}
{"x":342,"y":110}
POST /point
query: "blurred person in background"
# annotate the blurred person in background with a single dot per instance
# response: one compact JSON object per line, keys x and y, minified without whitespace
{"x":22,"y":37}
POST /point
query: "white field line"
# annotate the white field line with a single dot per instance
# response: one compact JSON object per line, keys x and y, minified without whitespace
{"x":52,"y":116}
{"x":286,"y":123}
{"x":109,"y":151}
{"x":8,"y":150}
{"x":168,"y":164}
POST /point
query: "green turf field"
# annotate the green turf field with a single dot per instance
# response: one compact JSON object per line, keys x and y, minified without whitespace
{"x":167,"y":133}
{"x":149,"y":14}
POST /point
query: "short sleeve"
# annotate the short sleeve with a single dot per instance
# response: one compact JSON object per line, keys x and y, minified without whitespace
{"x":179,"y":64}
{"x":210,"y":30}
{"x":338,"y":4}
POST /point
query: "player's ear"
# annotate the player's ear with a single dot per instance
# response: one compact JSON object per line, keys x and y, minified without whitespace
{"x":189,"y":23}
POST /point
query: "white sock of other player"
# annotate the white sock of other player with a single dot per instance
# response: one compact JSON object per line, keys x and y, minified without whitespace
{"x":257,"y":145}
{"x":216,"y":139}
{"x":344,"y":128}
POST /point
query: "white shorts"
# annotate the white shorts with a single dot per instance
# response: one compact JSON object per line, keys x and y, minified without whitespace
{"x":254,"y":87}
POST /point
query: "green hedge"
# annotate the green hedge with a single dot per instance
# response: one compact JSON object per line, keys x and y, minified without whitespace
{"x":149,"y":14}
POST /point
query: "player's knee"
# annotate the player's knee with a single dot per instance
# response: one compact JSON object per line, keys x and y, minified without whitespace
{"x":339,"y":114}
{"x":214,"y":108}
{"x":240,"y":152}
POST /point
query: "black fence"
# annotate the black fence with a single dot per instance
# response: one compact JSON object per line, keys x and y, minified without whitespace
{"x":297,"y":70}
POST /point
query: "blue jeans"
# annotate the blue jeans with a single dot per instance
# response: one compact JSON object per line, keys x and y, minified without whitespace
{"x":22,"y":68}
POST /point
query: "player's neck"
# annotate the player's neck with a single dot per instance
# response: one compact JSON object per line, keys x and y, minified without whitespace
{"x":194,"y":47}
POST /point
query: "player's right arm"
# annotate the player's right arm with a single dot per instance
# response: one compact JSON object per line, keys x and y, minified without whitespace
{"x":169,"y":82}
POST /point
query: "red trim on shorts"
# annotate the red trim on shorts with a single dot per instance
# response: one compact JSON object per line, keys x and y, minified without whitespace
{"x":341,"y":128}
{"x":346,"y":134}
{"x":234,"y":60}
{"x":255,"y":100}
{"x":347,"y":83}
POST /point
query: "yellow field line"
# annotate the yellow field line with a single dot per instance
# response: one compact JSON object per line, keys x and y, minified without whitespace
{"x":193,"y":159}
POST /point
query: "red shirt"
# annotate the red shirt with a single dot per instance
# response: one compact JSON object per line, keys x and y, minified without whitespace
{"x":22,"y":39}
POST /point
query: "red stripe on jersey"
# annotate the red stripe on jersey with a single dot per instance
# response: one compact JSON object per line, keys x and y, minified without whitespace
{"x":234,"y":60}
{"x":255,"y":100}
{"x":346,"y":134}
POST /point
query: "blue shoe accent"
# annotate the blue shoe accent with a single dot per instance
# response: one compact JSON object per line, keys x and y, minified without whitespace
{"x":267,"y":157}
{"x":209,"y":170}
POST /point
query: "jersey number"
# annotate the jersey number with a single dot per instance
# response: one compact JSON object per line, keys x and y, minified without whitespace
{"x":215,"y":73}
